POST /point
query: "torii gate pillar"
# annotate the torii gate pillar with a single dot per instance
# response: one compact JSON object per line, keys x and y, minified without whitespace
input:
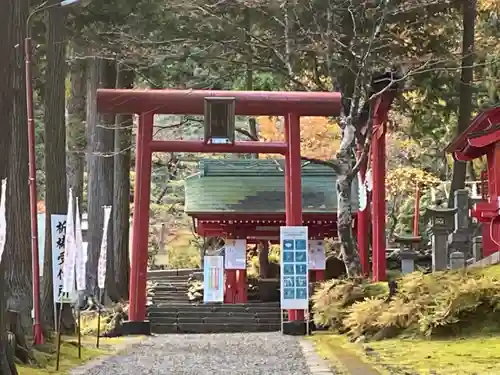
{"x":380,"y":113}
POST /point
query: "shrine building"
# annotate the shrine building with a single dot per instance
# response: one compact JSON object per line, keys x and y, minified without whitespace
{"x":482,"y":138}
{"x":245,"y":199}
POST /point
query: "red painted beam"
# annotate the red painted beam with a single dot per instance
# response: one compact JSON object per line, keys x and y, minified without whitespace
{"x":250,"y":103}
{"x":261,"y":218}
{"x":481,"y":122}
{"x":237,"y":147}
{"x":243,"y":234}
{"x":485,"y":140}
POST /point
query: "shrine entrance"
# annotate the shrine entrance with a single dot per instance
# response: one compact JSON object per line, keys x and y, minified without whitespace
{"x":220,"y":109}
{"x":243,"y":202}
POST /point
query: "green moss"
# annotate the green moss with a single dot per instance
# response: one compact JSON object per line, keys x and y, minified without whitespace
{"x":463,"y":355}
{"x":45,"y":357}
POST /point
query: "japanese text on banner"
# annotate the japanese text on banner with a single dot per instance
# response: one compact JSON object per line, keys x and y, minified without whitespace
{"x":58,"y":233}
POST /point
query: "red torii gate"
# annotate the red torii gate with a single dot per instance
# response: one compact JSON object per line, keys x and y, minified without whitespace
{"x":292,"y":105}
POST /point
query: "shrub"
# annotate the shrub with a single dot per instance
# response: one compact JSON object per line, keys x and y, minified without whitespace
{"x":333,"y":298}
{"x":361,"y":317}
{"x":437,"y":304}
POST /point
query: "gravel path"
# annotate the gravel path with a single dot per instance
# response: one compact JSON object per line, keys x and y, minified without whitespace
{"x":237,"y":353}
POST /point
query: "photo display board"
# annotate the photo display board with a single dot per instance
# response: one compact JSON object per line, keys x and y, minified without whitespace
{"x":317,"y":259}
{"x":235,"y":255}
{"x":213,"y":279}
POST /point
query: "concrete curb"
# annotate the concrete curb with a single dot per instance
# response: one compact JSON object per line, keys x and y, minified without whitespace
{"x":316,"y":364}
{"x":120,"y":349}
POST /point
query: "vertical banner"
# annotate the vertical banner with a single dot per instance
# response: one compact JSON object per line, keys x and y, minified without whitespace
{"x":294,"y":268}
{"x":3,"y":219}
{"x":58,"y":234}
{"x":317,"y":259}
{"x":80,"y":260}
{"x":41,"y":241}
{"x":213,"y":278}
{"x":69,"y":248}
{"x":362,"y":193}
{"x":235,"y":254}
{"x":103,"y":256}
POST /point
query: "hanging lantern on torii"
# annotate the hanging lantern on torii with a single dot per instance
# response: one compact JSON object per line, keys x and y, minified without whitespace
{"x":219,"y":120}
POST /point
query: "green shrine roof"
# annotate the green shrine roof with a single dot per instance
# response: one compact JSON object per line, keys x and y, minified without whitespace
{"x":258,"y":186}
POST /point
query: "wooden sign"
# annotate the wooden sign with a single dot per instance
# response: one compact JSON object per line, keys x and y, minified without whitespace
{"x":219,"y":120}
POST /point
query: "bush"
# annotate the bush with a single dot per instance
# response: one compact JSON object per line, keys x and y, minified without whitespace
{"x":437,"y":304}
{"x":361,"y":318}
{"x":333,"y":298}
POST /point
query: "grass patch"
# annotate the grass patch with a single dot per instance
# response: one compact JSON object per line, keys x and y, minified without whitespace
{"x":478,"y":355}
{"x":445,"y":323}
{"x":45,"y":355}
{"x":465,"y":356}
{"x":326,"y":346}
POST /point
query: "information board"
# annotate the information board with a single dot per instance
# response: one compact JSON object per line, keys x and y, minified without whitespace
{"x":213,"y":278}
{"x":317,"y":260}
{"x":294,"y":268}
{"x":235,"y":254}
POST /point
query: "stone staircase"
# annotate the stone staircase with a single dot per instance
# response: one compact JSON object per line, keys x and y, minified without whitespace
{"x":250,"y":317}
{"x":172,"y":312}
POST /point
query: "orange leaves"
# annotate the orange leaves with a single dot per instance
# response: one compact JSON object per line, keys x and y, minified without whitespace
{"x":320,"y":137}
{"x":40,"y":207}
{"x":488,"y":5}
{"x":404,"y":180}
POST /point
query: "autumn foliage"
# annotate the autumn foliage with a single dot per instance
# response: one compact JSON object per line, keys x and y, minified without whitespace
{"x":320,"y":137}
{"x":40,"y":207}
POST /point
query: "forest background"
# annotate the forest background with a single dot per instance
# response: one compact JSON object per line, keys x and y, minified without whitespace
{"x":445,"y":53}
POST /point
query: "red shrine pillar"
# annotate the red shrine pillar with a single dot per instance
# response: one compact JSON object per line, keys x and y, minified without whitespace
{"x":288,"y":201}
{"x":140,"y":225}
{"x":493,"y":157}
{"x":293,"y":184}
{"x":241,"y":286}
{"x":362,"y":227}
{"x":230,"y":286}
{"x":378,"y":195}
{"x":316,"y":275}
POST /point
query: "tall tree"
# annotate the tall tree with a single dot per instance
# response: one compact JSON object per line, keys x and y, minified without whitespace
{"x":121,"y":198}
{"x":75,"y":132}
{"x":18,"y":245}
{"x":101,"y":73}
{"x":55,"y":149}
{"x":466,"y":89}
{"x":7,"y":365}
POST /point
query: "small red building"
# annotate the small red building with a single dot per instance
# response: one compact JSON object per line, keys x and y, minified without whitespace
{"x":245,"y":199}
{"x":482,"y":137}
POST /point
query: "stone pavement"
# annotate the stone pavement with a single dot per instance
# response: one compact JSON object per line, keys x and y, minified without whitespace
{"x":269,"y":353}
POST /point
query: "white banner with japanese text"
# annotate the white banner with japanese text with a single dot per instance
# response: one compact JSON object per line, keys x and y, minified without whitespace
{"x":69,"y":248}
{"x":103,"y":256}
{"x":58,"y":234}
{"x":80,"y":258}
{"x":3,"y":220}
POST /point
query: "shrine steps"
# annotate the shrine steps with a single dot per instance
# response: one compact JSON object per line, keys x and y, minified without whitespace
{"x":168,"y":274}
{"x":172,"y":312}
{"x":171,"y":286}
{"x":250,"y":317}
